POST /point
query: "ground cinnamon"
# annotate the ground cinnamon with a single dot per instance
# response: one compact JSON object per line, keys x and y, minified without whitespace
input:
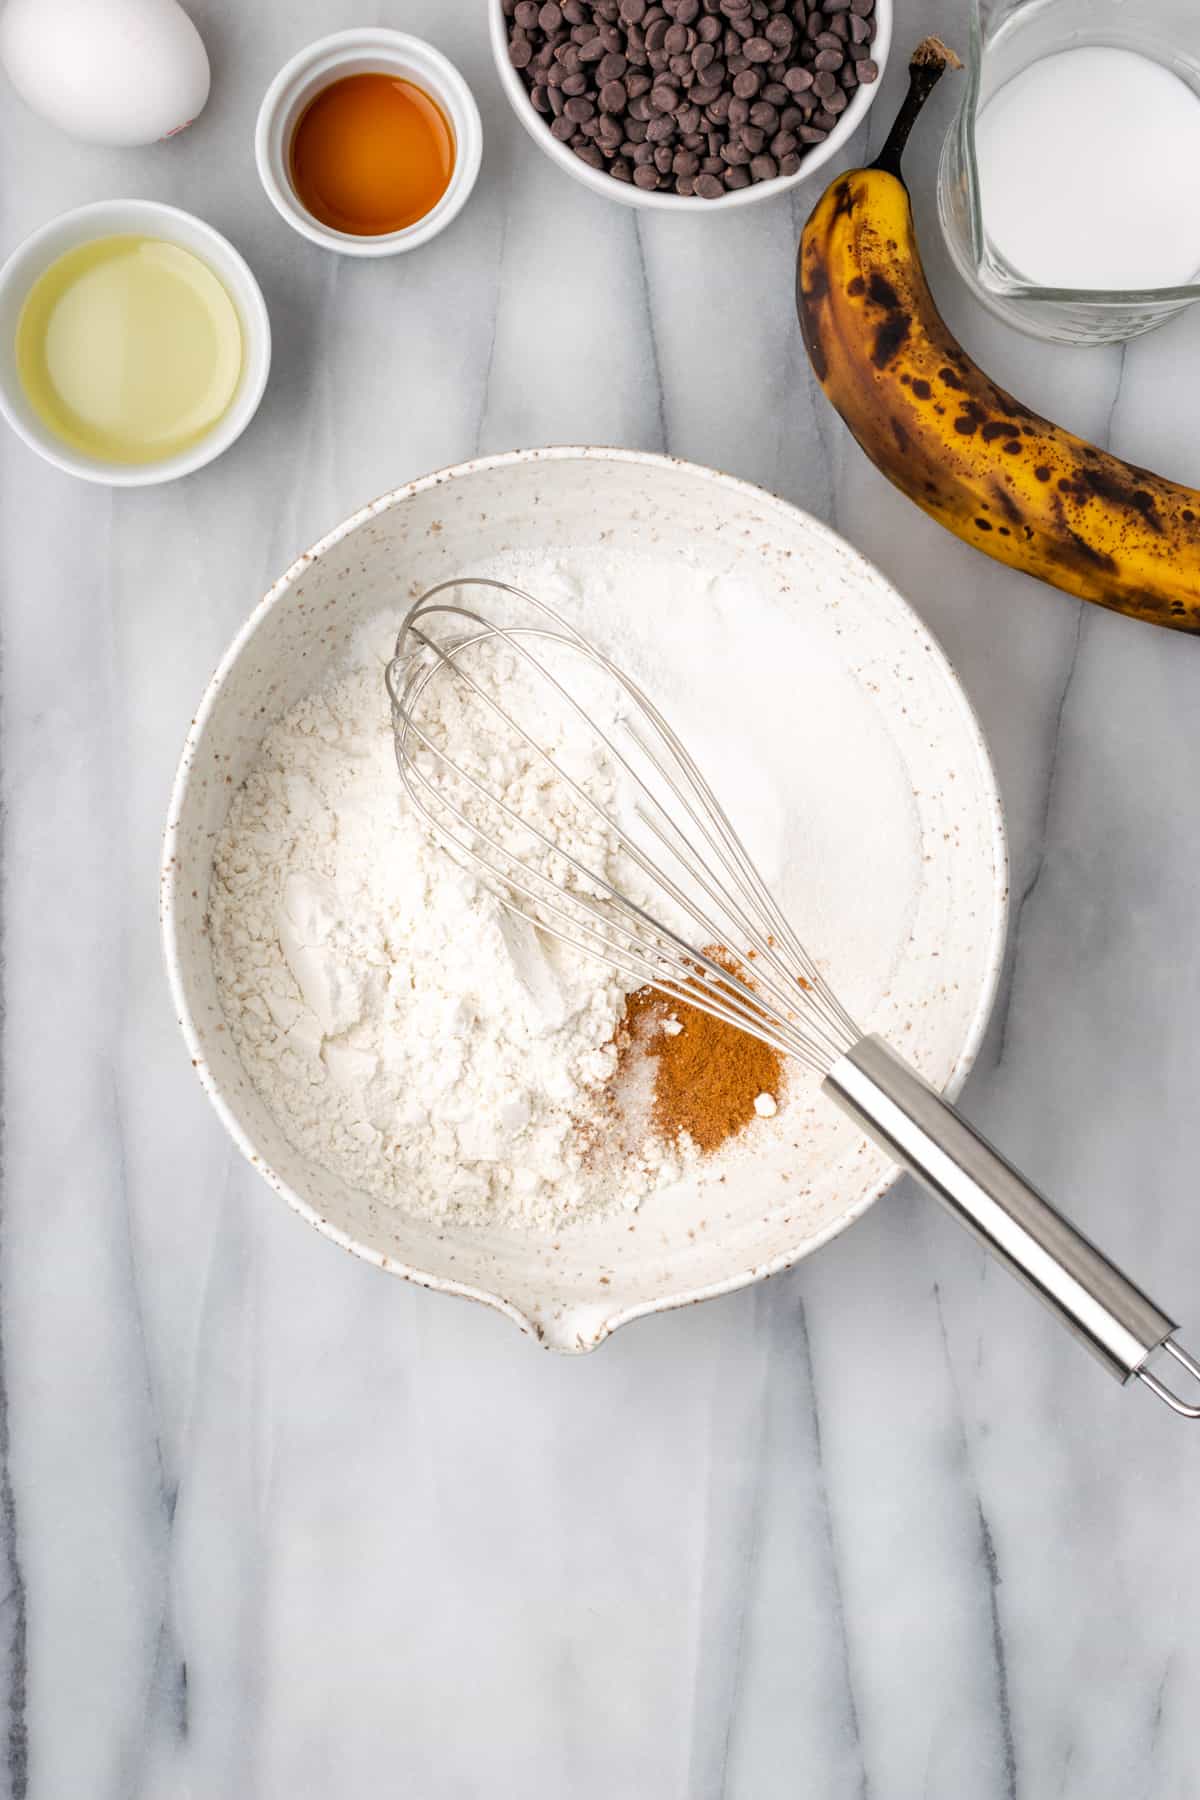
{"x":707,"y":1075}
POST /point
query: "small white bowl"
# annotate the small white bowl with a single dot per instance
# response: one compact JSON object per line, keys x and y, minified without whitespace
{"x":367,"y":51}
{"x":625,"y":192}
{"x":140,"y":218}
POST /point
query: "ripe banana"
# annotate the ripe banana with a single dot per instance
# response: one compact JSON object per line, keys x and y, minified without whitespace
{"x":977,"y":460}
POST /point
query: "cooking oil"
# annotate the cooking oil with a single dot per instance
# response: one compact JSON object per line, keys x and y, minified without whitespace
{"x":129,"y":348}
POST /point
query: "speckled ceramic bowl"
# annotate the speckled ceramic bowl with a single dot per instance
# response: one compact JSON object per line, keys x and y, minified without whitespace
{"x":831,"y":639}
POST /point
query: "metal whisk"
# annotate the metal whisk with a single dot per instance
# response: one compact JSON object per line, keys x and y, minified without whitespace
{"x":659,"y":886}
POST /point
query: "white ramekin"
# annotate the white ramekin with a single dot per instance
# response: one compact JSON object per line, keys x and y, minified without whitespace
{"x":366,"y":51}
{"x":141,"y":218}
{"x":624,"y":192}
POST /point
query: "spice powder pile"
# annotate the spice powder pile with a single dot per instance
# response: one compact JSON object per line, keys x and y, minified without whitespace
{"x":707,"y":1074}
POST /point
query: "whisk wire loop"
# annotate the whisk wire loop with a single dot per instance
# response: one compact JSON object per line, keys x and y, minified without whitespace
{"x":786,"y":1004}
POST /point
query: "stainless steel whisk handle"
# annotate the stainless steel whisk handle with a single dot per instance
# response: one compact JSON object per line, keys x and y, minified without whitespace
{"x":915,"y":1126}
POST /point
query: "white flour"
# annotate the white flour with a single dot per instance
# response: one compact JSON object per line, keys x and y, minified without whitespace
{"x":412,"y":1038}
{"x":409,"y":1034}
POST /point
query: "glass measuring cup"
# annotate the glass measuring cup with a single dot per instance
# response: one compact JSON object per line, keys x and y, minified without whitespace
{"x":1005,"y":37}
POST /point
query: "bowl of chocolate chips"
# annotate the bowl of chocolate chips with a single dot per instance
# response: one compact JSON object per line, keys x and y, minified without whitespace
{"x":690,"y":103}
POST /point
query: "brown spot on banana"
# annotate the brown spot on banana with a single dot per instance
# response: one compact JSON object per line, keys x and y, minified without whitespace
{"x":1073,"y":515}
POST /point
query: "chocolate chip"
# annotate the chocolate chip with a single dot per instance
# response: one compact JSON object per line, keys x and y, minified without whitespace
{"x":644,"y":88}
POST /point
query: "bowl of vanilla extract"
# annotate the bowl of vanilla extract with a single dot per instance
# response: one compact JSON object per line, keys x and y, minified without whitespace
{"x":369,"y":142}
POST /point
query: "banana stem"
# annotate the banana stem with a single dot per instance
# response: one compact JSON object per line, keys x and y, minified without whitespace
{"x":926,"y":66}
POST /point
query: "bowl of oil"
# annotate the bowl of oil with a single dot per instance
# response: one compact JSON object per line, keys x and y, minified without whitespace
{"x":134,"y":342}
{"x":368,"y":142}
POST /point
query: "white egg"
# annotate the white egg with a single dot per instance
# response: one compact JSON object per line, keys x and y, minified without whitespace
{"x":107,"y":71}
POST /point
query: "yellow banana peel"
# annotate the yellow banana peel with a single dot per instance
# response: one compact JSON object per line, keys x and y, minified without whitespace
{"x":979,"y":461}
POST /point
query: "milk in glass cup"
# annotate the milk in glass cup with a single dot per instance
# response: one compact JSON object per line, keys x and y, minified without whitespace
{"x":1069,"y":183}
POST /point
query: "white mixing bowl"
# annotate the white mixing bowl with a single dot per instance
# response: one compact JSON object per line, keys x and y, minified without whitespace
{"x":833,"y":627}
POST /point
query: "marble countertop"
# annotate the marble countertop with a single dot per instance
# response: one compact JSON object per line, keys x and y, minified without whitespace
{"x":273,"y":1525}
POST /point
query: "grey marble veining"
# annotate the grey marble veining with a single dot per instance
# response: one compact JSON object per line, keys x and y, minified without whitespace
{"x":274,"y":1526}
